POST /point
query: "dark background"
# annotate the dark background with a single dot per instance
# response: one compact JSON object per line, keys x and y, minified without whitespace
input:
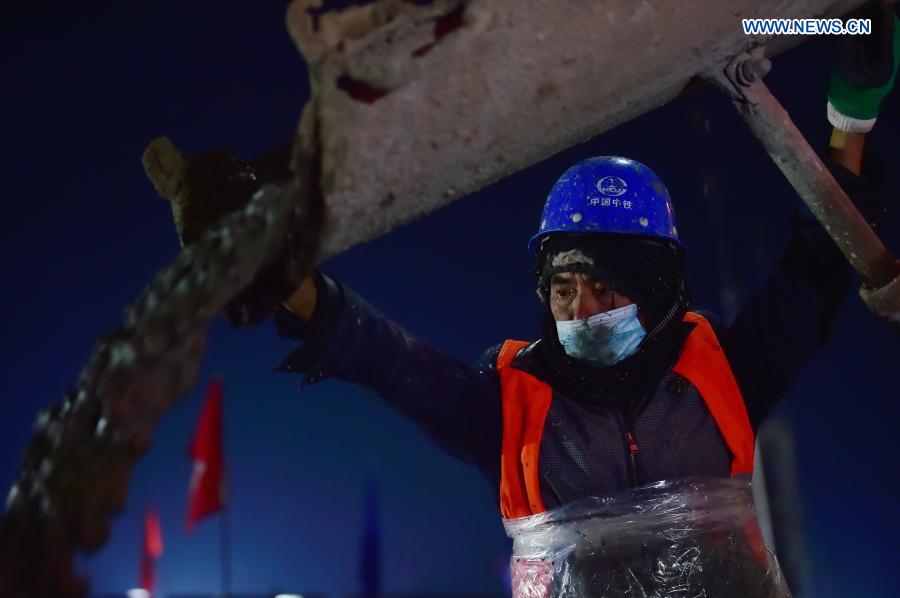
{"x":84,"y":90}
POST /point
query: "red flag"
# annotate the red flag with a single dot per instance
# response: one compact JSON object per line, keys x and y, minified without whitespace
{"x":152,"y":550}
{"x":207,"y":491}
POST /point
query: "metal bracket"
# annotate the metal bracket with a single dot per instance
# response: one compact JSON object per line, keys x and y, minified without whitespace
{"x":739,"y":75}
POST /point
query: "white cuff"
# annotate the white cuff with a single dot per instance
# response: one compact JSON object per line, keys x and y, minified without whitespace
{"x":847,"y":123}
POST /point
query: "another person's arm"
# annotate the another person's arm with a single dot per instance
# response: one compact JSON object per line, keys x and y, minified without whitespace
{"x":846,"y":149}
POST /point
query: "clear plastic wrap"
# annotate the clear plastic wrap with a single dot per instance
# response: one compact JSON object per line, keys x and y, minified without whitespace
{"x":692,"y":538}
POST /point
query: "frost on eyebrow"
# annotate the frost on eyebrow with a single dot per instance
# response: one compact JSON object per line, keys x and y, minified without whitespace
{"x":568,"y":258}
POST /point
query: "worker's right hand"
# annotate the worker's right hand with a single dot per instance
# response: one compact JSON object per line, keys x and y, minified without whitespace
{"x":866,"y":69}
{"x":205,"y":189}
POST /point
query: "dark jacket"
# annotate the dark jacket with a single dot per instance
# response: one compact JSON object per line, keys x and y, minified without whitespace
{"x":584,"y":451}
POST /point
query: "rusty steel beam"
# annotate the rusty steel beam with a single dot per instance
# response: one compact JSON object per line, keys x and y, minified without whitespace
{"x":420,"y":105}
{"x":772,"y":126}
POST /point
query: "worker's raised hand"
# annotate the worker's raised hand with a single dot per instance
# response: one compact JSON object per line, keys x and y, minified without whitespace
{"x":866,"y":69}
{"x":205,"y":189}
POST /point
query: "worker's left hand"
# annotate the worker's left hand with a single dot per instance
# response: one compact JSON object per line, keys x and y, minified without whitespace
{"x":866,"y":69}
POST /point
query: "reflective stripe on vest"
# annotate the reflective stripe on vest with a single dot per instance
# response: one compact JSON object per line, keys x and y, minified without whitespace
{"x":526,"y":402}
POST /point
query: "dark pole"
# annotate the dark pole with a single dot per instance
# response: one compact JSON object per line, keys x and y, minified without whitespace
{"x":225,"y":544}
{"x":224,"y":531}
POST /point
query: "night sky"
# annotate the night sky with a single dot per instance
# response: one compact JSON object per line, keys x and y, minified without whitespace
{"x":86,"y":88}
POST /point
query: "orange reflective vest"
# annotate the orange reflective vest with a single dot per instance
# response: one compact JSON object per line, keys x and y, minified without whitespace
{"x":526,"y":401}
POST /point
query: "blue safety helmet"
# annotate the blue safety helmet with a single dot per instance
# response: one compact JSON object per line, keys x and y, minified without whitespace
{"x":609,"y":195}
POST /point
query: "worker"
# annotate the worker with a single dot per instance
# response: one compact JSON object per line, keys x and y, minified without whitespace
{"x":627,"y":385}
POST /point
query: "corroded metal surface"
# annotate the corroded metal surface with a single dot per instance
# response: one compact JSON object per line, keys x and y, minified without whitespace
{"x":420,"y":105}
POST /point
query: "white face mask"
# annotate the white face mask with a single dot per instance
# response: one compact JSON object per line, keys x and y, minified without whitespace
{"x":603,"y":339}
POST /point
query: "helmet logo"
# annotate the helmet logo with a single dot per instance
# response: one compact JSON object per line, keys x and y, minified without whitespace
{"x":612,"y":185}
